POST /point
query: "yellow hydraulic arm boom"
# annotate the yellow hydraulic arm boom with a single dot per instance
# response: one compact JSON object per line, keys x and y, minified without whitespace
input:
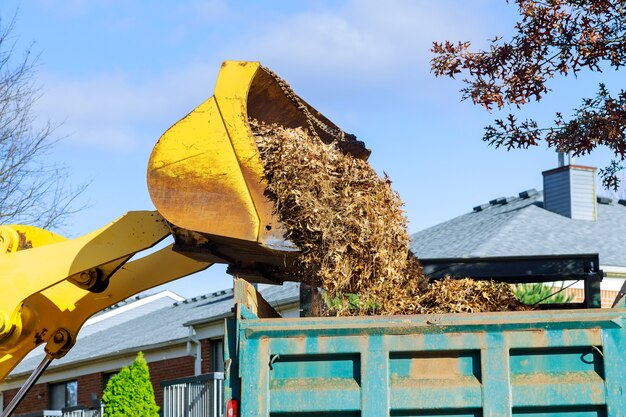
{"x":51,"y":285}
{"x":51,"y":288}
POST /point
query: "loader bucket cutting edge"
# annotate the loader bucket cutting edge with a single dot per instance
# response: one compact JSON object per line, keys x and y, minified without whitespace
{"x":205,"y":174}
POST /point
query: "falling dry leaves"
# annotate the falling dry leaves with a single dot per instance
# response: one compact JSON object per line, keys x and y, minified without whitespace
{"x":352,"y":232}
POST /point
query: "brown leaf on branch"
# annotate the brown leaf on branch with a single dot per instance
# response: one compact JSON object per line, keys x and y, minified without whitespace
{"x":555,"y":37}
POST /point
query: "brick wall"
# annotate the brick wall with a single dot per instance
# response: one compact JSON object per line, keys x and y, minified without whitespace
{"x":607,"y":297}
{"x":36,"y":399}
{"x":88,"y":385}
{"x":168,"y":369}
{"x":206,"y":350}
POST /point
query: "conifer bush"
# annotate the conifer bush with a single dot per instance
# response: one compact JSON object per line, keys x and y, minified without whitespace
{"x":538,"y":293}
{"x":130,"y":393}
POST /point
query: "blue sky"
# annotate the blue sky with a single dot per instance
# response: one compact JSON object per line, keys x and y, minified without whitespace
{"x":117,"y":74}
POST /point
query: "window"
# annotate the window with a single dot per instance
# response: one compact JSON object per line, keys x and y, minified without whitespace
{"x":64,"y":394}
{"x":217,"y":355}
{"x":107,"y":377}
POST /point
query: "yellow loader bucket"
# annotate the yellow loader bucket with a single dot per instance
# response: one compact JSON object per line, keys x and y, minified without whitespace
{"x":205,"y":174}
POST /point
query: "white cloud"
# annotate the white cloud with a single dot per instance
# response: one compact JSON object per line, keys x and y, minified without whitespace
{"x":114,"y":112}
{"x":365,"y":52}
{"x":364,"y":48}
{"x":364,"y":39}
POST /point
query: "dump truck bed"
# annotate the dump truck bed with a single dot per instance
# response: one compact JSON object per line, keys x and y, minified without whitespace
{"x":556,"y":363}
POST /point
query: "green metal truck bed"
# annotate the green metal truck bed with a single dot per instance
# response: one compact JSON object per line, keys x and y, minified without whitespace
{"x":540,"y":363}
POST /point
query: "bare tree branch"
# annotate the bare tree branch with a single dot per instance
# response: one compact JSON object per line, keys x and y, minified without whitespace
{"x":32,"y":189}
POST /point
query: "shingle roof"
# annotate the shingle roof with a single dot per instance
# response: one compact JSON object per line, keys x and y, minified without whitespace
{"x":160,"y":327}
{"x":126,"y":311}
{"x":522,"y":227}
{"x":119,"y":313}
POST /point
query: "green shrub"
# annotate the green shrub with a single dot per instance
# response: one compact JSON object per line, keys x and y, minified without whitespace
{"x":536,"y":292}
{"x":130,"y":393}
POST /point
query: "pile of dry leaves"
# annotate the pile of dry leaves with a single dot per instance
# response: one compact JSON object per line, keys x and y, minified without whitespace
{"x":468,"y":296}
{"x":352,"y":231}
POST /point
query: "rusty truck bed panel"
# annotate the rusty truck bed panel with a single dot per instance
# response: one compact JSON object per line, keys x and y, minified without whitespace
{"x":558,"y":363}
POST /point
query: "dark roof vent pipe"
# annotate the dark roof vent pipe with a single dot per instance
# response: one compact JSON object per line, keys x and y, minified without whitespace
{"x":570,"y":190}
{"x":570,"y":159}
{"x":528,"y":193}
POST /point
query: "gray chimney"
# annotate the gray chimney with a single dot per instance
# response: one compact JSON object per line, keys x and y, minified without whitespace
{"x":570,"y":191}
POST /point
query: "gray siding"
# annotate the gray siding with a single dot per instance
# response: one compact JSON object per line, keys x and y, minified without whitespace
{"x":583,"y":194}
{"x":570,"y":191}
{"x":557,"y":192}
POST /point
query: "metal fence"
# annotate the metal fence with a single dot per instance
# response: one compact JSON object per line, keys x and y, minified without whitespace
{"x":198,"y":396}
{"x":82,"y":413}
{"x":73,"y":413}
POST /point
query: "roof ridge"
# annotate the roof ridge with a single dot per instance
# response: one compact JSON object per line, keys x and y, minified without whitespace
{"x":530,"y":193}
{"x":227,"y":291}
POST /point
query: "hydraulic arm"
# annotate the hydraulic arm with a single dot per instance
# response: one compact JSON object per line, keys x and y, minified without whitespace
{"x":53,"y":287}
{"x":60,"y":283}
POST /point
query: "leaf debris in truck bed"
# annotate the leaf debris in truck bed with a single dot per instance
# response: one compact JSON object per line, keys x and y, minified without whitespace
{"x":352,"y":232}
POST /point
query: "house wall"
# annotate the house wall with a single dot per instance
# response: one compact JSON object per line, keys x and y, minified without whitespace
{"x":205,"y":346}
{"x":36,"y":400}
{"x":606,"y":296}
{"x":163,"y":370}
{"x":165,"y":363}
{"x":168,"y":369}
{"x":168,"y":361}
{"x":88,"y":385}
